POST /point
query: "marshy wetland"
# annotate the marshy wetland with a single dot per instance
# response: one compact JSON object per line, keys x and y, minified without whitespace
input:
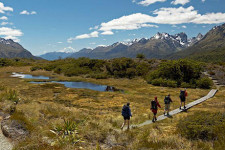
{"x":93,"y":118}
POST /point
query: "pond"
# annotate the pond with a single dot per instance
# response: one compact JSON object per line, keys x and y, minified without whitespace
{"x":28,"y":76}
{"x":83,"y":85}
{"x":69,"y":84}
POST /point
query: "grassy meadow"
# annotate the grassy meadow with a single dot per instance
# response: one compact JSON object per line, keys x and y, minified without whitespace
{"x":96,"y":115}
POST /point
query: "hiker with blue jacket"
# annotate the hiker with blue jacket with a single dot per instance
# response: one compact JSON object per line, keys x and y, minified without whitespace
{"x":126,"y":113}
{"x":167,"y":102}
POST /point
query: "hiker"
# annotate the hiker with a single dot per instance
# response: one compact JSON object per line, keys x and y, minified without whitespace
{"x":183,"y":95}
{"x":154,"y":108}
{"x":126,"y":113}
{"x":167,"y":102}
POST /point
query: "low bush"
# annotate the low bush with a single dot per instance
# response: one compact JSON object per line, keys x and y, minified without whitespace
{"x":164,"y":82}
{"x":178,"y":73}
{"x":204,"y":83}
{"x":203,"y":125}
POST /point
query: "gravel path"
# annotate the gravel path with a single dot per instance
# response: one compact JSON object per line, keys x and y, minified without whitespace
{"x":5,"y":144}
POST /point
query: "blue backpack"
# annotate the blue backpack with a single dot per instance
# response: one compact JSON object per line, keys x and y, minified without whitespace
{"x":125,"y":111}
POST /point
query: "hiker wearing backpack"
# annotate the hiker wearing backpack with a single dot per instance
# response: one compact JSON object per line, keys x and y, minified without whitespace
{"x":167,"y":102}
{"x":154,"y":107}
{"x":126,"y":113}
{"x":183,"y":95}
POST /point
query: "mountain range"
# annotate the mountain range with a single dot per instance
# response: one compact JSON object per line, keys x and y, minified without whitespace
{"x":158,"y":46}
{"x":210,"y":49}
{"x":11,"y":49}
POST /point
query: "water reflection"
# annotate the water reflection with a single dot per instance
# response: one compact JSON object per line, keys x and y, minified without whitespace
{"x":28,"y":76}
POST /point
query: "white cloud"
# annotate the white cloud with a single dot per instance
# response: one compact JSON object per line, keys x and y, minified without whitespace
{"x":3,"y":18}
{"x":149,"y":2}
{"x":25,"y":12}
{"x":184,"y":26}
{"x":59,"y":42}
{"x":5,"y":23}
{"x":203,"y":1}
{"x":182,"y":2}
{"x":174,"y":26}
{"x":162,"y":16}
{"x":10,"y":33}
{"x":130,"y":22}
{"x":33,"y":13}
{"x":94,"y":28}
{"x":107,"y":33}
{"x":3,"y":8}
{"x":93,"y":43}
{"x":68,"y":50}
{"x":83,"y":36}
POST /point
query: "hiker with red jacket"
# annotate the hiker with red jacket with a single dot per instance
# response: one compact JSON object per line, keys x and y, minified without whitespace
{"x":154,"y":107}
{"x":183,"y":95}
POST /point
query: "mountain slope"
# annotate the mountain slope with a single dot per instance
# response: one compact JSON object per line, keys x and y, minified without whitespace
{"x":55,"y":55}
{"x":11,"y":49}
{"x":159,"y":46}
{"x":210,"y":48}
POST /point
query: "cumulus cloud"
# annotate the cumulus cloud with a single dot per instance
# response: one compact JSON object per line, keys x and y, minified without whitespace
{"x":130,"y":22}
{"x":184,"y":26}
{"x":10,"y":33}
{"x":3,"y":18}
{"x":68,"y":50}
{"x":3,"y":9}
{"x":182,"y":2}
{"x":25,"y":12}
{"x":93,"y":28}
{"x":83,"y":36}
{"x":203,"y":1}
{"x":149,"y":2}
{"x":162,"y":16}
{"x":107,"y":33}
{"x":5,"y":23}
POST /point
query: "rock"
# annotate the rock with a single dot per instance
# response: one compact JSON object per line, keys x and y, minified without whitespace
{"x":13,"y":129}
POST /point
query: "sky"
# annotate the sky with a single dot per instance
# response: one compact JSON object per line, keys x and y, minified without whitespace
{"x":42,"y":26}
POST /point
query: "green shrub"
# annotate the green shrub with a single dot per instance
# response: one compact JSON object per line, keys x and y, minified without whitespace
{"x":187,"y":85}
{"x":203,"y":125}
{"x":140,"y":56}
{"x":99,"y":75}
{"x":177,"y":71}
{"x":164,"y":82}
{"x":204,"y":83}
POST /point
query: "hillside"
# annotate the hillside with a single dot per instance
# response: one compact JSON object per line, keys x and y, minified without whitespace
{"x":11,"y":49}
{"x":210,"y":49}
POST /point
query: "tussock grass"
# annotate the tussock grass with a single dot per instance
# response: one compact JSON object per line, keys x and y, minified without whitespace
{"x":98,"y":114}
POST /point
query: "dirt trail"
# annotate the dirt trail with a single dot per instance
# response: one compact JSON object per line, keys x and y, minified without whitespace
{"x":5,"y":144}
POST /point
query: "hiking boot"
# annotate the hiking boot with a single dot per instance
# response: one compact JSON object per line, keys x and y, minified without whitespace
{"x":184,"y":107}
{"x":153,"y":120}
{"x":168,"y":114}
{"x":164,"y":113}
{"x":180,"y":107}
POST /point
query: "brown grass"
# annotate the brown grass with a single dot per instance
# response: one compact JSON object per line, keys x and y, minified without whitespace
{"x":97,"y":114}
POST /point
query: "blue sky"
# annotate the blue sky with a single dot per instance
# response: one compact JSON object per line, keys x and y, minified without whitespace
{"x":69,"y":25}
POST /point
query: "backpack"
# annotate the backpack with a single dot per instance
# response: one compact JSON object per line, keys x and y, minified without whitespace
{"x":153,"y":105}
{"x":125,"y":111}
{"x":167,"y":100}
{"x":182,"y":94}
